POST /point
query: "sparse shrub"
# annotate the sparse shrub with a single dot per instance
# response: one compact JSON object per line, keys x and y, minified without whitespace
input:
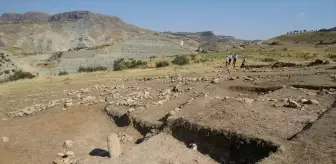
{"x":332,"y":56}
{"x":1,"y":73}
{"x":63,"y":73}
{"x":21,"y":75}
{"x":152,"y":57}
{"x":274,"y":43}
{"x":269,"y":60}
{"x":119,"y":64}
{"x":283,"y":64}
{"x":192,"y":56}
{"x":92,"y":69}
{"x":13,"y":70}
{"x":98,"y":47}
{"x":162,"y":64}
{"x":318,"y":62}
{"x":122,"y":64}
{"x":180,"y":60}
{"x":6,"y":71}
{"x":2,"y":55}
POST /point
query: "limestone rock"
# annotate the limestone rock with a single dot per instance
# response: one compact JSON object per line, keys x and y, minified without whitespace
{"x":304,"y":101}
{"x":113,"y":145}
{"x":215,"y":81}
{"x":293,"y":104}
{"x":68,"y":144}
{"x":172,"y":113}
{"x":176,"y":88}
{"x":5,"y":139}
{"x":68,"y":104}
{"x":315,"y":102}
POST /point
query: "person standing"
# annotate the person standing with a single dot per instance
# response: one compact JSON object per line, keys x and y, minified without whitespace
{"x":228,"y":60}
{"x":235,"y":57}
{"x":243,"y":63}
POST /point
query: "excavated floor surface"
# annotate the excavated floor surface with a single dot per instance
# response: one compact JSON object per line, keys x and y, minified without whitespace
{"x":237,"y":117}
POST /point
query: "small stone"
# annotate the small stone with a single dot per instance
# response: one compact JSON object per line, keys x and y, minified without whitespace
{"x":215,"y":81}
{"x":315,"y":102}
{"x":177,"y":110}
{"x":172,"y":113}
{"x":68,"y":104}
{"x":70,"y":153}
{"x":193,"y":146}
{"x":311,"y":94}
{"x":64,"y":109}
{"x":68,"y":101}
{"x":68,"y":144}
{"x":5,"y":139}
{"x":101,"y":100}
{"x":60,"y":154}
{"x":131,"y":110}
{"x":176,"y":88}
{"x":293,"y":104}
{"x":304,"y":101}
{"x":231,"y":78}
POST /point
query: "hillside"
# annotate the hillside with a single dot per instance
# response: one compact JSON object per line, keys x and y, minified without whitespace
{"x":40,"y":32}
{"x":209,"y":41}
{"x":312,"y":38}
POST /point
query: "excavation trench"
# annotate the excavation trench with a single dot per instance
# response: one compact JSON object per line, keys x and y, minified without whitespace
{"x":313,"y":87}
{"x":222,"y":146}
{"x":255,"y":89}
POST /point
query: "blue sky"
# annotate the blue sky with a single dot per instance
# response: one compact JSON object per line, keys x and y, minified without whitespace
{"x":245,"y":19}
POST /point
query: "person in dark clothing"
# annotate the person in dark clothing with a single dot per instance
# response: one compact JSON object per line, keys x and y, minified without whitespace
{"x":243,"y":63}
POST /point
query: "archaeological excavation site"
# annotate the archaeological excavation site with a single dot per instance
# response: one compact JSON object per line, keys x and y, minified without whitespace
{"x":259,"y":115}
{"x":81,"y":87}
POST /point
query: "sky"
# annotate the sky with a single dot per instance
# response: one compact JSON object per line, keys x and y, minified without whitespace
{"x":244,"y":19}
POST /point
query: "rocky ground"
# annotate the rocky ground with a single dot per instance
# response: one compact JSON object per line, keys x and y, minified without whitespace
{"x":267,"y":115}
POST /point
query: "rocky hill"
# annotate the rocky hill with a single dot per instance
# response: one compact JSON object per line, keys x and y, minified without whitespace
{"x":323,"y":37}
{"x":209,"y":41}
{"x":40,"y":32}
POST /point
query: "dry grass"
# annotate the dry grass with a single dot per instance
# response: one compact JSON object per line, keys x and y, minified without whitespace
{"x":40,"y":84}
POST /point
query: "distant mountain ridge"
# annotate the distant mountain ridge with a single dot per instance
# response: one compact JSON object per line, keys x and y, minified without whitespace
{"x":209,"y":41}
{"x":8,"y":18}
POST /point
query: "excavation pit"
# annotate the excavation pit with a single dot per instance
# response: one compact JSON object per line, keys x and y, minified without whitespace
{"x":255,"y":89}
{"x":222,"y":146}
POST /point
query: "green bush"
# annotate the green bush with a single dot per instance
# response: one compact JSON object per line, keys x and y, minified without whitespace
{"x":332,"y":56}
{"x":63,"y":73}
{"x":122,"y":64}
{"x":180,"y":60}
{"x":193,"y":56}
{"x":2,"y":55}
{"x":269,"y":60}
{"x":92,"y":69}
{"x":162,"y":64}
{"x":21,"y":75}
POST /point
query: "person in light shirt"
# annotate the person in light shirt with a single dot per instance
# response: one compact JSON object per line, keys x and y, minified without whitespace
{"x":228,"y":60}
{"x":235,"y":58}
